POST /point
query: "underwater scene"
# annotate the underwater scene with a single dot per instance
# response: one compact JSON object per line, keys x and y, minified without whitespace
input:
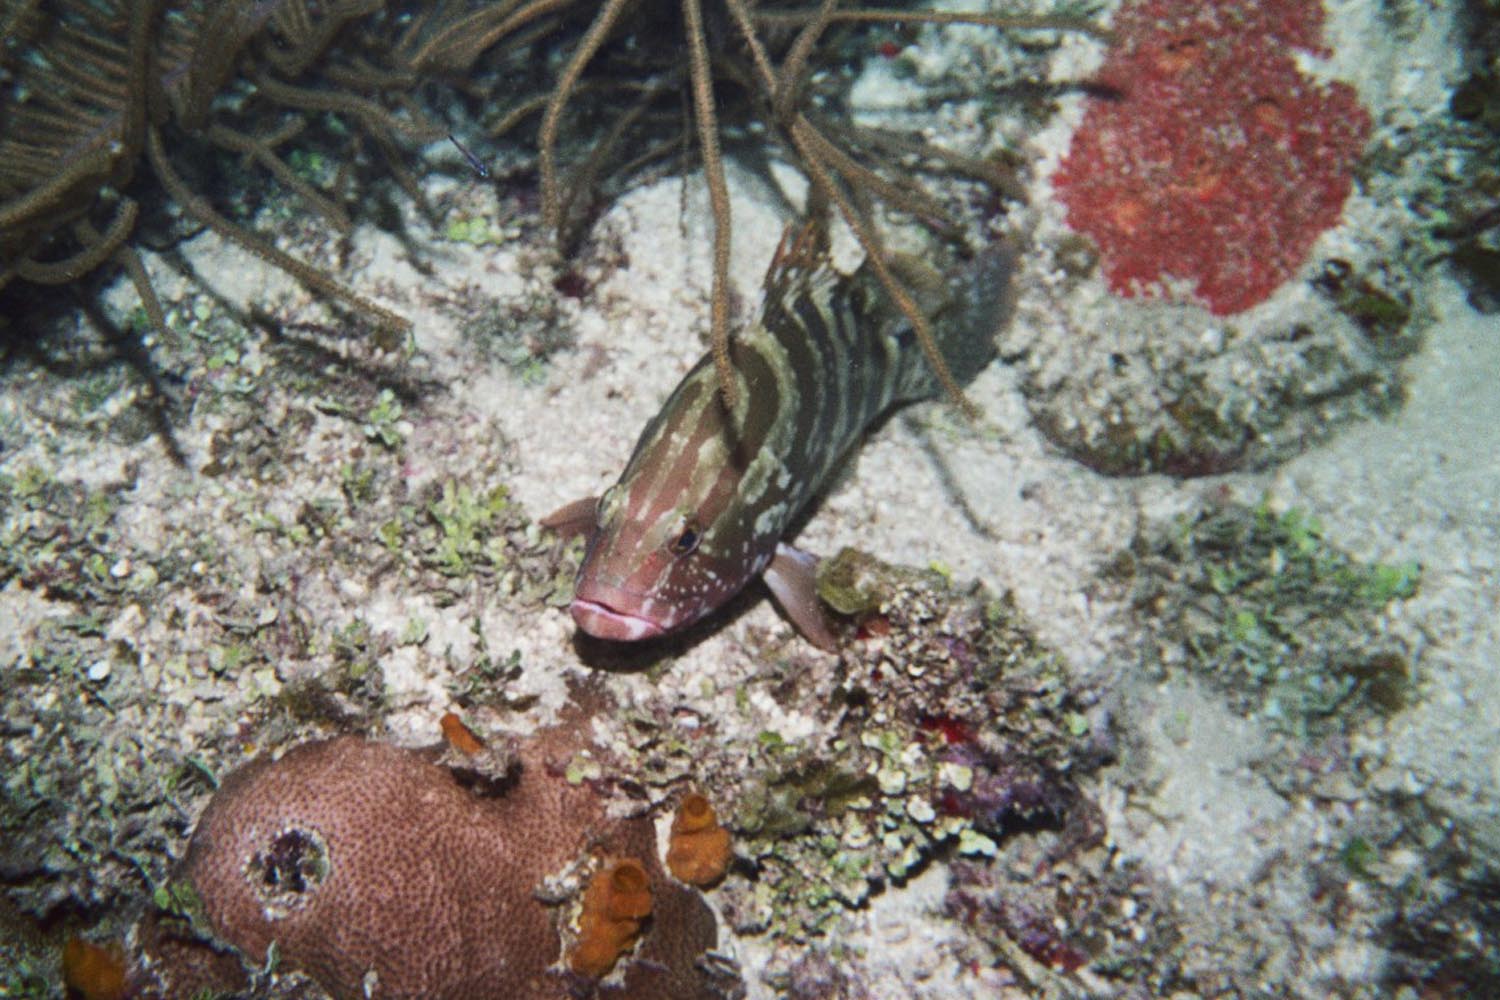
{"x":551,"y":499}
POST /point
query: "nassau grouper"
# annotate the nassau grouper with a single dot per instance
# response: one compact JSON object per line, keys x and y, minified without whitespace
{"x":708,"y":494}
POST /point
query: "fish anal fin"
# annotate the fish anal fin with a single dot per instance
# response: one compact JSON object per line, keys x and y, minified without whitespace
{"x":576,"y":518}
{"x":793,"y":579}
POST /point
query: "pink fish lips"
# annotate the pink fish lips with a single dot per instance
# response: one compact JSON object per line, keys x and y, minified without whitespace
{"x":603,"y":622}
{"x":609,"y":611}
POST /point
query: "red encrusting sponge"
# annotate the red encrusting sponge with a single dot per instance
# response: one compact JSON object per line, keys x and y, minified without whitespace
{"x":1210,"y":157}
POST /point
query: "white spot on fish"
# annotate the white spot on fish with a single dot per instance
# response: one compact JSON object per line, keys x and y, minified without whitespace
{"x":769,"y":521}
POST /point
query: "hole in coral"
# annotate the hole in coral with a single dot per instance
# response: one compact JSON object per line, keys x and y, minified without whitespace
{"x":293,"y":864}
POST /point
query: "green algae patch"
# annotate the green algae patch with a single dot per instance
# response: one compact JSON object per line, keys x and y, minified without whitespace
{"x":1260,"y":603}
{"x":849,"y":583}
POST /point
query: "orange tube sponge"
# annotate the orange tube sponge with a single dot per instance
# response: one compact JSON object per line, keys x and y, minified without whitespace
{"x":698,"y":851}
{"x":617,"y":900}
{"x":459,"y":736}
{"x":94,"y":972}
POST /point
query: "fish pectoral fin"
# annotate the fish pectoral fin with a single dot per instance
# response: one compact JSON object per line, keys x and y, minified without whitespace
{"x":576,"y":518}
{"x":793,"y":579}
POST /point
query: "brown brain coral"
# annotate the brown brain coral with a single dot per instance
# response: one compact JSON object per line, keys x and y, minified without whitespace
{"x":378,"y":873}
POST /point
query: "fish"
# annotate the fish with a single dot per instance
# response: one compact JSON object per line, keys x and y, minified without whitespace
{"x":711,"y":492}
{"x":475,"y":163}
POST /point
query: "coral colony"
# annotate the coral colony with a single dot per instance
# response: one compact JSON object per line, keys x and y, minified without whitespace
{"x":351,"y":859}
{"x":1211,"y":158}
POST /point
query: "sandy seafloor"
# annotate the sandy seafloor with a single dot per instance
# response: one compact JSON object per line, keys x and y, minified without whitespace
{"x":1192,"y":797}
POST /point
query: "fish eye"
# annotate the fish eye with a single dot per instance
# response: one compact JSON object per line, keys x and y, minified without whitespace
{"x":685,"y":541}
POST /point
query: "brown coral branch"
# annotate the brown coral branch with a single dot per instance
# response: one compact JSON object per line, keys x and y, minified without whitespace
{"x":95,"y":249}
{"x":377,"y":119}
{"x":718,"y":195}
{"x":740,"y":11}
{"x":456,"y":46}
{"x":810,"y":144}
{"x":310,"y":39}
{"x":150,"y":301}
{"x":17,"y":19}
{"x":794,"y":65}
{"x":260,"y":150}
{"x":519,"y":113}
{"x":909,"y":198}
{"x":356,"y":73}
{"x":231,"y":26}
{"x":789,"y":18}
{"x":1001,"y":177}
{"x":197,"y":207}
{"x":587,"y":47}
{"x":89,"y":169}
{"x":585,"y":176}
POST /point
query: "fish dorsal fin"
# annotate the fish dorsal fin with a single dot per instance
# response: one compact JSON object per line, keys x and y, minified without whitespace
{"x":801,"y":245}
{"x":801,"y":263}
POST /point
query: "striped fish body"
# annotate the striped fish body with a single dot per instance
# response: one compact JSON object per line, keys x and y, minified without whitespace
{"x":709,"y":492}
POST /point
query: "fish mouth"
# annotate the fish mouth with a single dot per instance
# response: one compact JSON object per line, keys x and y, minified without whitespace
{"x":604,"y":622}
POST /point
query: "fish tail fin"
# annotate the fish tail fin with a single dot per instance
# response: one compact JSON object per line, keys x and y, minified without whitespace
{"x":967,"y":303}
